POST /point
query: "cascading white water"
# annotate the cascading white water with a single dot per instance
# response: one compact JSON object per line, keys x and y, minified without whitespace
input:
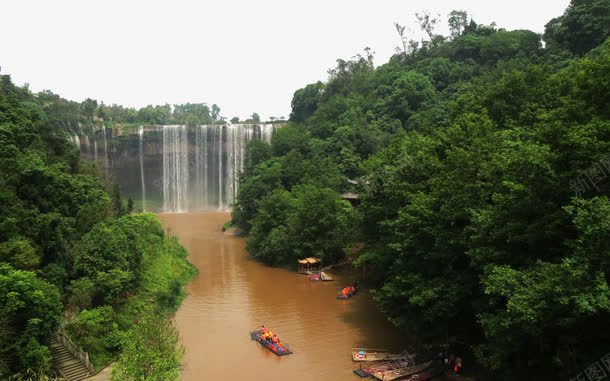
{"x":76,"y":139}
{"x":220,"y":205}
{"x":201,"y":165}
{"x":175,"y":168}
{"x":94,"y":150}
{"x":142,"y":182}
{"x":105,"y":148}
{"x":180,"y":168}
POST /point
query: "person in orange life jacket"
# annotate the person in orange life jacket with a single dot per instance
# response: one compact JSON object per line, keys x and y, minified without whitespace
{"x":263,"y":330}
{"x":275,"y":339}
{"x":269,"y":336}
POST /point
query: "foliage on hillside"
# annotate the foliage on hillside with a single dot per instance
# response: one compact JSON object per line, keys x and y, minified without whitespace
{"x":67,"y":246}
{"x":482,"y":162}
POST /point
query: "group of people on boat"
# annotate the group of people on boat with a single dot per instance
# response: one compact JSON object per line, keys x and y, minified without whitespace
{"x":348,"y":290}
{"x":270,"y":337}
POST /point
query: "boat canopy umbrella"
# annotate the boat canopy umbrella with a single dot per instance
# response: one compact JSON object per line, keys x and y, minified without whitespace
{"x":308,"y":264}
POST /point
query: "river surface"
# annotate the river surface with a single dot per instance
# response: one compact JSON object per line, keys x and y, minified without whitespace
{"x":234,"y":294}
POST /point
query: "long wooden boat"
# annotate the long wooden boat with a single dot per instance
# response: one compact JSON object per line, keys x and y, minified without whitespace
{"x":352,"y":292}
{"x":368,"y":354}
{"x":280,"y":350}
{"x":402,"y":360}
{"x":393,"y":374}
{"x":427,"y":374}
{"x":320,"y":275}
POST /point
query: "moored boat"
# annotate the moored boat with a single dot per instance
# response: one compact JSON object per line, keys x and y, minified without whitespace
{"x":427,"y":374}
{"x":368,"y":354}
{"x":320,"y":275}
{"x":280,"y":350}
{"x":393,"y":374}
{"x":325,"y":277}
{"x":402,"y":360}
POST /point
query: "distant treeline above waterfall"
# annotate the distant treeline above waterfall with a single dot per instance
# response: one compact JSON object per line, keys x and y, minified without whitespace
{"x":63,"y":112}
{"x":481,"y":162}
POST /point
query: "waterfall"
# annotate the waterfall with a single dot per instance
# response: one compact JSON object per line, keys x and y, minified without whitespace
{"x":201,"y":164}
{"x":105,"y":148}
{"x":142,"y":182}
{"x":95,"y":150}
{"x":175,"y":169}
{"x":206,"y":203}
{"x":75,"y":138}
{"x":220,"y":173}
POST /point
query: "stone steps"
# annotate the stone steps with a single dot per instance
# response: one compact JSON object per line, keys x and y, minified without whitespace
{"x":68,"y":366}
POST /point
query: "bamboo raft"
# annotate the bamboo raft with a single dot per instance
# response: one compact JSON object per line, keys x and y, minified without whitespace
{"x":393,"y":374}
{"x":402,"y":360}
{"x":370,"y":354}
{"x":280,"y":350}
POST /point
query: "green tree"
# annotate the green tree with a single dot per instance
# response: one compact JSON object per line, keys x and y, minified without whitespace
{"x":583,"y":26}
{"x":31,"y":307}
{"x":89,"y":106}
{"x":20,"y":253}
{"x":151,"y":351}
{"x":458,"y":21}
{"x":215,"y":112}
{"x":305,"y":101}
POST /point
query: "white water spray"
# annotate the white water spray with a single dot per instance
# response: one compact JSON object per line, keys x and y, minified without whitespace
{"x":142,"y":182}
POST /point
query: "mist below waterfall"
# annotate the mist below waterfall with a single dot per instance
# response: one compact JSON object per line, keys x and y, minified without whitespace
{"x":176,"y":168}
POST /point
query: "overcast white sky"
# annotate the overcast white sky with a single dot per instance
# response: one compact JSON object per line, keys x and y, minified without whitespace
{"x":243,"y":55}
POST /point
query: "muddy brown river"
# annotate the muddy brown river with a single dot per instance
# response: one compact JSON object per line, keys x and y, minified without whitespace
{"x":234,"y":294}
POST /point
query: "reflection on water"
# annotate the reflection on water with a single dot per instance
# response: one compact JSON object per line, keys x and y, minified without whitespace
{"x":234,"y":294}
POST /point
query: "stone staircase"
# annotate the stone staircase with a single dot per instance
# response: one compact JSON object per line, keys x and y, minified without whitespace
{"x":66,"y":363}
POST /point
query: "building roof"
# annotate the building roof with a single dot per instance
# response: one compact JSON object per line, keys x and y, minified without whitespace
{"x":310,"y":260}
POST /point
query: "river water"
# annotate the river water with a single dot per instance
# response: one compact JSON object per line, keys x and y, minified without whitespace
{"x":234,"y":294}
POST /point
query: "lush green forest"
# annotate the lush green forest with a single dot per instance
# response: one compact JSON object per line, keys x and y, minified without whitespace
{"x":481,"y":160}
{"x":71,"y":254}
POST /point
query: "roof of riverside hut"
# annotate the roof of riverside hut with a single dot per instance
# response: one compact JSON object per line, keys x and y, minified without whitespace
{"x":310,"y":260}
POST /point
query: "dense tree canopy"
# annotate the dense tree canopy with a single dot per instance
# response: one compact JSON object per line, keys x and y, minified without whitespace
{"x":481,"y":160}
{"x":66,"y":247}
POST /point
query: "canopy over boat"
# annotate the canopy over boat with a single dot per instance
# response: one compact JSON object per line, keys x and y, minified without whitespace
{"x":308,"y":264}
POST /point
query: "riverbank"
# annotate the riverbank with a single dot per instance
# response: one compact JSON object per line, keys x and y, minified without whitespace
{"x":162,"y":271}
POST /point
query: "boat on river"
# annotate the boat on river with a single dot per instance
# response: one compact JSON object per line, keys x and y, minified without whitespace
{"x":433,"y":371}
{"x":393,"y":374}
{"x":350,"y":291}
{"x":280,"y":350}
{"x":402,"y":360}
{"x":369,"y":354}
{"x":320,"y":275}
